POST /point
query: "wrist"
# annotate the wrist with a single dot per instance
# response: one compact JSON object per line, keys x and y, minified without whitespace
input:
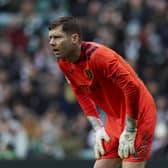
{"x":95,"y":122}
{"x":130,"y":130}
{"x":131,"y":124}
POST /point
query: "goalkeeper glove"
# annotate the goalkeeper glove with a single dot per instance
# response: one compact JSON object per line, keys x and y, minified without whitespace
{"x":127,"y":139}
{"x":100,"y":135}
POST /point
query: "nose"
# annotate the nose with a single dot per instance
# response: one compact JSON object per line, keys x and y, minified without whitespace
{"x":52,"y":42}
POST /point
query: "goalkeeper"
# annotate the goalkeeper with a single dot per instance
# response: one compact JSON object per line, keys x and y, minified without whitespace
{"x":100,"y":77}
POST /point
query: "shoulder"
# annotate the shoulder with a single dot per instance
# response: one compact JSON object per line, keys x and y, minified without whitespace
{"x":88,"y":48}
{"x":93,"y":49}
{"x":102,"y":53}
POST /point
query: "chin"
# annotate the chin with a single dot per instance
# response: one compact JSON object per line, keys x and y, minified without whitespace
{"x":55,"y":54}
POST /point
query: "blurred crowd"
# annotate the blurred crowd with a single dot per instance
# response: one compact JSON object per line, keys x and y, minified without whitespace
{"x":39,"y":115}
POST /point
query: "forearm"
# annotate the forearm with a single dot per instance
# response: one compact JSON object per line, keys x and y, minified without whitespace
{"x":87,"y":105}
{"x":89,"y":109}
{"x":132,"y":96}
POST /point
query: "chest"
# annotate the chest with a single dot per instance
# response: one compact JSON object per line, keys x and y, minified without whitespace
{"x":83,"y":77}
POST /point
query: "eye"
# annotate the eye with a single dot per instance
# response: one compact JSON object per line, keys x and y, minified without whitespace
{"x":57,"y":37}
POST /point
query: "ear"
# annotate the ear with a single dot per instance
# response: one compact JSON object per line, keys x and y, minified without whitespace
{"x":75,"y":38}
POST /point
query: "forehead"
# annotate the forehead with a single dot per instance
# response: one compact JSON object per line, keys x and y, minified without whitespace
{"x":57,"y":30}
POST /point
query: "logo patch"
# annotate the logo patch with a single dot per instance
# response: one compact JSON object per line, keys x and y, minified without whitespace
{"x":88,"y":73}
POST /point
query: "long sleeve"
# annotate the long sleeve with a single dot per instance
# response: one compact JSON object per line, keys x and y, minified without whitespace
{"x":112,"y":66}
{"x":123,"y":79}
{"x":87,"y":105}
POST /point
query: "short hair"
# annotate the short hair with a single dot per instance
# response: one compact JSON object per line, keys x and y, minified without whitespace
{"x":69,"y":24}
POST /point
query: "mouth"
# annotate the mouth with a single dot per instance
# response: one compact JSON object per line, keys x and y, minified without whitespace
{"x":56,"y":52}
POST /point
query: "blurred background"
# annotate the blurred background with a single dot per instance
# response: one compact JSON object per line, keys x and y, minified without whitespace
{"x":39,"y":115}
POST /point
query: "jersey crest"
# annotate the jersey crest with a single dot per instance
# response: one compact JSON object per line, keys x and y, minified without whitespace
{"x":88,"y":73}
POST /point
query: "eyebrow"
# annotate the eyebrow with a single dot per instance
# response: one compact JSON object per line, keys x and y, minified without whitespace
{"x":55,"y":36}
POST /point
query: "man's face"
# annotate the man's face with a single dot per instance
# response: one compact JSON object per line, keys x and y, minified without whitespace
{"x":62,"y":44}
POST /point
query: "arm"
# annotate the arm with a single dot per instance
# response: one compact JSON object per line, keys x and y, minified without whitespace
{"x":89,"y":109}
{"x":129,"y":85}
{"x":121,"y":74}
{"x":127,"y":82}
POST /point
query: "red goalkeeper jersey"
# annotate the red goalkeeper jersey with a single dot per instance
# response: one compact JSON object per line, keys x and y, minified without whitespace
{"x":102,"y":77}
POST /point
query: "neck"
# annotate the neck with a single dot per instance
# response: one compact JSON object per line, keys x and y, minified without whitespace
{"x":76,"y":54}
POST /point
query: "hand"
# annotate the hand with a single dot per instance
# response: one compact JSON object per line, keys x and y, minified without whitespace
{"x":126,"y":143}
{"x":100,"y":134}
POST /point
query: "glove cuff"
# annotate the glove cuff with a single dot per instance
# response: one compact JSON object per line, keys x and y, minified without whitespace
{"x":131,"y":124}
{"x":130,"y":130}
{"x":95,"y":122}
